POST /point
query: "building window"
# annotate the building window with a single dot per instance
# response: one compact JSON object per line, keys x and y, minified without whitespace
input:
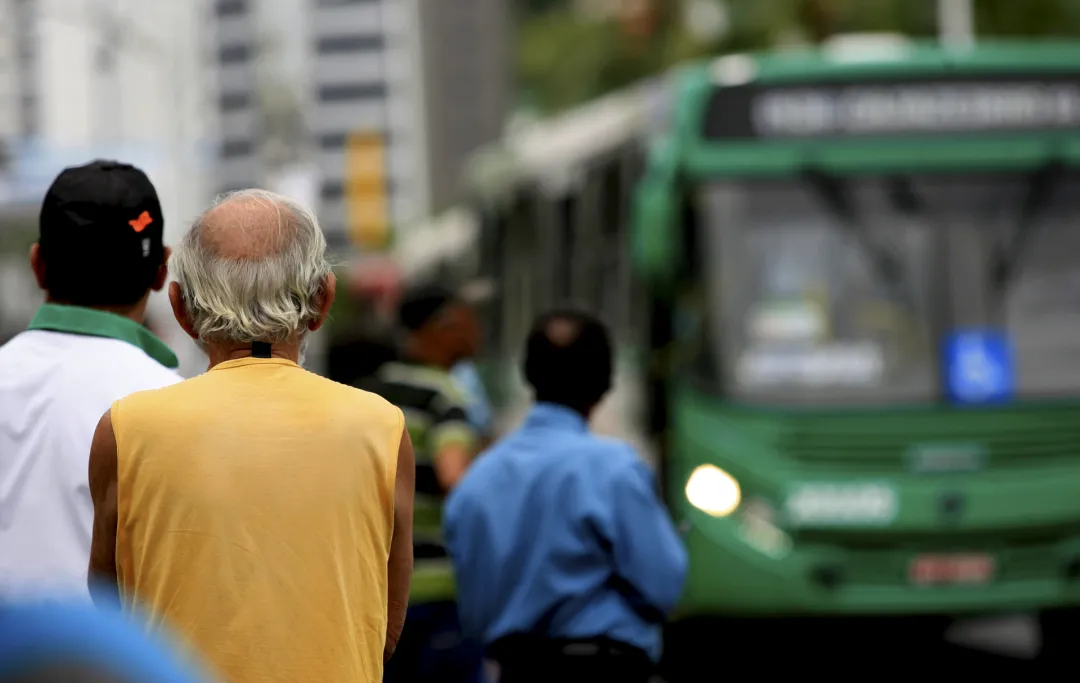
{"x":334,"y":190}
{"x":356,"y":91}
{"x":230,"y":8}
{"x":28,"y":114}
{"x":232,"y":54}
{"x":339,"y":44}
{"x":231,"y":101}
{"x":331,"y":142}
{"x":339,"y":3}
{"x":230,"y":149}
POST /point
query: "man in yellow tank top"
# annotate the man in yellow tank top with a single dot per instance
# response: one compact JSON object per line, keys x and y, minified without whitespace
{"x":258,"y":512}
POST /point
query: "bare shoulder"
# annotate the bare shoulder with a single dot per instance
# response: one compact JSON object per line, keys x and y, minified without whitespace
{"x":103,"y":452}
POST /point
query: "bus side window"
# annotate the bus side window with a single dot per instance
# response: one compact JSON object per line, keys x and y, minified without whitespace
{"x":566,"y":245}
{"x":527,"y":268}
{"x":493,"y":266}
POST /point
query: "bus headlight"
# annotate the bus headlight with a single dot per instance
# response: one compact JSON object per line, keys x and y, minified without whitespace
{"x":713,"y":491}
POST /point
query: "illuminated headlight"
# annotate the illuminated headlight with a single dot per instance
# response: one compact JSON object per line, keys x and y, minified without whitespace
{"x":713,"y":491}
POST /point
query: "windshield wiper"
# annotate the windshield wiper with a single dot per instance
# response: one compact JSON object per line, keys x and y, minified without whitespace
{"x":833,"y":192}
{"x":1040,"y":190}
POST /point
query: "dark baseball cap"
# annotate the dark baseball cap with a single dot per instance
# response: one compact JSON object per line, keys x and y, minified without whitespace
{"x":101,"y":234}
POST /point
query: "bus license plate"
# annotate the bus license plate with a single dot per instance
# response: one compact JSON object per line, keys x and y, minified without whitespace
{"x":928,"y":570}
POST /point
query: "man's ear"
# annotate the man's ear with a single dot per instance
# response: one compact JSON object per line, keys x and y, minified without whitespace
{"x":37,"y":264}
{"x":327,"y":300}
{"x":162,"y":275}
{"x":180,"y":311}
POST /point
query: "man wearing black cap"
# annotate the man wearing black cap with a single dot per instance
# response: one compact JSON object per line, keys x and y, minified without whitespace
{"x":441,"y":330}
{"x":99,"y":255}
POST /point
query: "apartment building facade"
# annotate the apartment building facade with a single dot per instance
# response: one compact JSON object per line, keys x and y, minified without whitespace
{"x":393,"y":95}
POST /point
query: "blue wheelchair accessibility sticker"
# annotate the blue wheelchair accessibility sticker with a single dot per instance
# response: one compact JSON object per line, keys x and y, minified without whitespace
{"x":979,"y":367}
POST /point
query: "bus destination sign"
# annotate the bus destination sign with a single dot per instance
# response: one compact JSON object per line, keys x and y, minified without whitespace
{"x":942,"y":105}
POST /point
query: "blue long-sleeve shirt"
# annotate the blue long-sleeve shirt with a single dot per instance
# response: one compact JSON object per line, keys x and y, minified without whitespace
{"x":560,"y":533}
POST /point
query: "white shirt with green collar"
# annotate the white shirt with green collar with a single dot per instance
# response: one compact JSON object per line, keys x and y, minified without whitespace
{"x":56,"y":381}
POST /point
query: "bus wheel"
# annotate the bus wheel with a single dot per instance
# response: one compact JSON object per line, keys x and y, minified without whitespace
{"x":1059,"y":628}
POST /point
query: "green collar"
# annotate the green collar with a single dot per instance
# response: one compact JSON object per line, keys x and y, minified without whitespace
{"x":93,"y":323}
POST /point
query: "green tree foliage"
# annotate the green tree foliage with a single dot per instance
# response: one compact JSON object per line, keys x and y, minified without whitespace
{"x":564,"y":60}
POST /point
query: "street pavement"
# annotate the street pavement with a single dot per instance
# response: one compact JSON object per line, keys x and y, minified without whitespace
{"x":1009,"y":636}
{"x":997,"y":648}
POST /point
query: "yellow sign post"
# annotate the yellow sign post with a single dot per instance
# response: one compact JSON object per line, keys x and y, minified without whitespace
{"x":366,"y":205}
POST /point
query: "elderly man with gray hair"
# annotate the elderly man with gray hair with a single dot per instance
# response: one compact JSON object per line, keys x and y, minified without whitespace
{"x":259,"y":512}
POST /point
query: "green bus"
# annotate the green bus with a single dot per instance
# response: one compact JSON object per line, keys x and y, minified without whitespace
{"x":865,"y":291}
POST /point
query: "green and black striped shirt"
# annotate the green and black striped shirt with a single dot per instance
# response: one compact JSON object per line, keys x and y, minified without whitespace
{"x":435,"y":416}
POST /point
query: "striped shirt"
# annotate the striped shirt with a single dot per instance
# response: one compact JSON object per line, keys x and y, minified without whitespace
{"x":436,"y":415}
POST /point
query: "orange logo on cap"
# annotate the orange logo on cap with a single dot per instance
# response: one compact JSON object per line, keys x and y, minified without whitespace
{"x":140,"y":223}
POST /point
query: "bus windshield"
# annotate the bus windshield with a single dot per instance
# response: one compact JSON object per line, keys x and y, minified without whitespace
{"x":800,"y":311}
{"x":1013,"y":240}
{"x":804,"y":315}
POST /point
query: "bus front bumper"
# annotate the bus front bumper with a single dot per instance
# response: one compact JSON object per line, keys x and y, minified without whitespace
{"x":742,"y":567}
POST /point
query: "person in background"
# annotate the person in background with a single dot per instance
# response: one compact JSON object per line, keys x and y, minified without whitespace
{"x":99,"y":255}
{"x":266,"y":512}
{"x":566,"y":560}
{"x":78,"y":643}
{"x":357,"y":352}
{"x":441,"y":331}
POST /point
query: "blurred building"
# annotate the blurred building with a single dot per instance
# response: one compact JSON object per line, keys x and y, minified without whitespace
{"x":79,"y":73}
{"x":13,"y":74}
{"x":81,"y":79}
{"x":262,"y":65}
{"x":235,"y":24}
{"x":392,"y":94}
{"x":468,"y":65}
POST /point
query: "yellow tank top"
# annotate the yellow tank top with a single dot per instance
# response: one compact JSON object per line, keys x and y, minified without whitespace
{"x":255,"y":517}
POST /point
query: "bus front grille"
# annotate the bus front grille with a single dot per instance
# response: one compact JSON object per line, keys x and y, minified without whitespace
{"x":1000,"y":437}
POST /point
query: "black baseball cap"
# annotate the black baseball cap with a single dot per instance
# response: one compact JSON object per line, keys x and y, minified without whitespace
{"x":102,"y":234}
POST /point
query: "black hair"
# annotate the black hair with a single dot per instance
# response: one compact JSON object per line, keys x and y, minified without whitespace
{"x":96,"y":282}
{"x":420,"y":305}
{"x":568,"y":358}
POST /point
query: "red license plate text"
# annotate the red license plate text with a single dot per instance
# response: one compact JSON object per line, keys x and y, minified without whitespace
{"x":929,"y":570}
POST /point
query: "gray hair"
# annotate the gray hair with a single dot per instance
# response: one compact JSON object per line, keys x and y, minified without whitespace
{"x":269,"y":297}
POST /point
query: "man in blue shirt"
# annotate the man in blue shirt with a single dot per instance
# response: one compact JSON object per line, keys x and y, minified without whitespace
{"x":566,"y":561}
